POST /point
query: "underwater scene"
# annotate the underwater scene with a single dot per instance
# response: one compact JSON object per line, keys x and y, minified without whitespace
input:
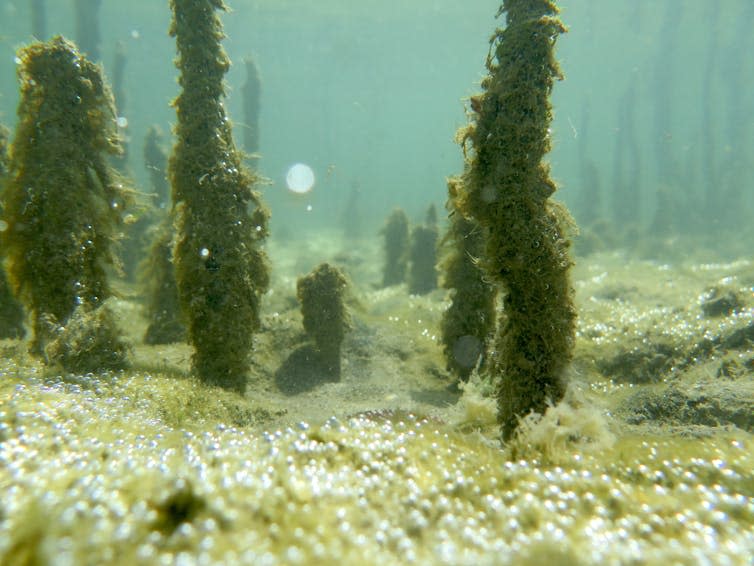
{"x":376,"y":282}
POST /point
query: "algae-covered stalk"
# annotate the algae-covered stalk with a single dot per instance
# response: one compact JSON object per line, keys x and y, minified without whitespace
{"x":422,"y":275}
{"x":220,"y":270}
{"x":162,"y":311}
{"x":326,"y":319}
{"x":64,"y":202}
{"x":470,"y":320}
{"x":162,"y":308}
{"x":396,"y":244}
{"x":506,"y":189}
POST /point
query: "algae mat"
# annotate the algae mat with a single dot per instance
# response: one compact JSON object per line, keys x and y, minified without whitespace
{"x":150,"y":467}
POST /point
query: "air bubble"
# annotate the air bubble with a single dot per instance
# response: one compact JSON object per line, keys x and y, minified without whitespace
{"x":300,"y":178}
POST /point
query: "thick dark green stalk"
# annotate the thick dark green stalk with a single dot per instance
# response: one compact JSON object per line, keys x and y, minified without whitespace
{"x":422,"y":274}
{"x":469,"y":322}
{"x":64,"y":201}
{"x":396,"y":245}
{"x":220,"y":271}
{"x":323,"y":308}
{"x":506,"y":189}
{"x":162,"y":308}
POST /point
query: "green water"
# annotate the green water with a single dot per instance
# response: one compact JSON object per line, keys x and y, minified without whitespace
{"x":649,"y":460}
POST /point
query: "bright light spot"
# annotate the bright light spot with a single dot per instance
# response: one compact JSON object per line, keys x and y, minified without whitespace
{"x":135,"y":34}
{"x":122,"y":122}
{"x":204,"y":253}
{"x":308,"y":208}
{"x":300,"y":178}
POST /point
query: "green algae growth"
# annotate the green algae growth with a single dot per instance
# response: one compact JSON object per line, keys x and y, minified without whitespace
{"x":93,"y":473}
{"x":151,"y":465}
{"x":220,"y":269}
{"x":64,"y":203}
{"x":506,"y":188}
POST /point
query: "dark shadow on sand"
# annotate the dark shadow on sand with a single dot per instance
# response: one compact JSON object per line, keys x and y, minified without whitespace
{"x":303,"y":371}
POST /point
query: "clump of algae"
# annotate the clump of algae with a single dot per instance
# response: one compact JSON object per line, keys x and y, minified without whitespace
{"x":422,"y":274}
{"x":396,"y":246}
{"x":220,"y":270}
{"x":162,"y":309}
{"x":323,"y":307}
{"x":506,"y":189}
{"x":63,"y":200}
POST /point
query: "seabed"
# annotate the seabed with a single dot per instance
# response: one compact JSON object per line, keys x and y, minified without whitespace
{"x":649,"y":461}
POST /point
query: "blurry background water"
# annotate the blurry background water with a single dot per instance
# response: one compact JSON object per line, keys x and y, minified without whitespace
{"x":656,"y":108}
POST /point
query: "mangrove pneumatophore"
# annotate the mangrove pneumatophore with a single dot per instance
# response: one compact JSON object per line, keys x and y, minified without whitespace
{"x":506,"y":189}
{"x":326,"y":318}
{"x":396,"y":246}
{"x":157,"y":274}
{"x":422,"y":273}
{"x":162,"y":309}
{"x":469,"y":321}
{"x":220,"y":270}
{"x":64,"y":204}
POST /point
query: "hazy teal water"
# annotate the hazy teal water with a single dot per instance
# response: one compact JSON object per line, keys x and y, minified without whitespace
{"x":369,"y":93}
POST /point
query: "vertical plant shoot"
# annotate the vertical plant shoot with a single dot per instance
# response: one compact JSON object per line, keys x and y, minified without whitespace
{"x":506,"y":189}
{"x":220,"y":271}
{"x":63,"y":200}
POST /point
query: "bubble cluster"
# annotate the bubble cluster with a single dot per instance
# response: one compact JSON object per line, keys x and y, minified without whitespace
{"x":92,"y":472}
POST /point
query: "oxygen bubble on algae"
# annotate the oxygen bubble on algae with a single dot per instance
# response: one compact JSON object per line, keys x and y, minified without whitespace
{"x":300,"y":178}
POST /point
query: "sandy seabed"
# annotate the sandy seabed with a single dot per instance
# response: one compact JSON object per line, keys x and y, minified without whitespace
{"x":650,"y":460}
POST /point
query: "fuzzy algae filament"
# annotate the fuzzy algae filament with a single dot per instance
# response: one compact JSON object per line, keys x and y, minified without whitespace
{"x":212,"y":192}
